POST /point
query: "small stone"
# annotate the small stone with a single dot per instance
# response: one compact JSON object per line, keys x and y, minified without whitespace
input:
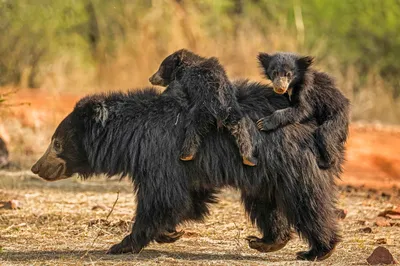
{"x":367,"y":230}
{"x":382,"y":222}
{"x":11,"y":205}
{"x":381,"y":241}
{"x":381,"y":255}
{"x":15,"y":204}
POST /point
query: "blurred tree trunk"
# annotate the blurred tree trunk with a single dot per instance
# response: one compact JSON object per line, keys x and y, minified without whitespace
{"x":238,"y":12}
{"x":94,"y":38}
{"x":93,"y":30}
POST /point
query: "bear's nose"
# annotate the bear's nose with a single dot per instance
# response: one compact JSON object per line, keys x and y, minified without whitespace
{"x":35,"y":168}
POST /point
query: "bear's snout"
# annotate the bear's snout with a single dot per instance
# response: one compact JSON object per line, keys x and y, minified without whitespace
{"x":35,"y":168}
{"x":156,"y":79}
{"x":50,"y":167}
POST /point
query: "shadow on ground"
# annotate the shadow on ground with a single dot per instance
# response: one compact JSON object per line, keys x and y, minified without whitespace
{"x":145,"y":255}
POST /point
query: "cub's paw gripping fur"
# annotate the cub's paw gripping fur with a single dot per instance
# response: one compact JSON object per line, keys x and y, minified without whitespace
{"x":265,"y":124}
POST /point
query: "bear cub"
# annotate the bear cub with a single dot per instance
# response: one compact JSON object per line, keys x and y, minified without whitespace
{"x":312,"y":94}
{"x":211,"y":99}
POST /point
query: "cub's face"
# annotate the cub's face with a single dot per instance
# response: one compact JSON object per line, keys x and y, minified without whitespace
{"x":284,"y":69}
{"x":166,"y":72}
{"x":65,"y":155}
{"x":173,"y":66}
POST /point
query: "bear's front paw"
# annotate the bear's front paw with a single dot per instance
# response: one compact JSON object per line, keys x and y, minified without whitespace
{"x":118,"y":249}
{"x":313,"y":255}
{"x":262,"y":246}
{"x":266,"y":124}
{"x":124,"y":247}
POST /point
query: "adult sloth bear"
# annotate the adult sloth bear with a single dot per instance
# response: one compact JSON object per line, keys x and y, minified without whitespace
{"x":139,"y":134}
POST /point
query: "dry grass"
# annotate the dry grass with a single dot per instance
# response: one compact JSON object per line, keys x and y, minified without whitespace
{"x":56,"y":225}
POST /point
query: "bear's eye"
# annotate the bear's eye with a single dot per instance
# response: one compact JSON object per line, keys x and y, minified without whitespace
{"x":274,"y":73}
{"x":289,"y":74}
{"x":57,"y":145}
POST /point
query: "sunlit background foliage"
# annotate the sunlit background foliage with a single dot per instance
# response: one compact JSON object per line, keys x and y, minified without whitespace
{"x":87,"y":45}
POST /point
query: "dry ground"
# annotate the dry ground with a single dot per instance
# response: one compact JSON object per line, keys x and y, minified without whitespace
{"x":57,"y":225}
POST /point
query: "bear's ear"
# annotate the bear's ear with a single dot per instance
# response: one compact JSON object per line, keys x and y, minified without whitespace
{"x":264,"y":60}
{"x":100,"y":112}
{"x":305,"y":62}
{"x":92,"y":107}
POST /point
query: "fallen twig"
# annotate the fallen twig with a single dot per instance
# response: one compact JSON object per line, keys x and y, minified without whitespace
{"x":100,"y":230}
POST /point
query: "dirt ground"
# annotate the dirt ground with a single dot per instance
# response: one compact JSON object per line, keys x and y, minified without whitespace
{"x":65,"y":222}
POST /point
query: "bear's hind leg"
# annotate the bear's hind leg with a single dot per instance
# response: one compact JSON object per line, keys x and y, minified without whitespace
{"x":201,"y":198}
{"x":271,"y":223}
{"x":312,"y":212}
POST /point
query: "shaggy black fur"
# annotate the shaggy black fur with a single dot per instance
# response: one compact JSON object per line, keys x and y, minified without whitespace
{"x":312,"y":95}
{"x":212,"y":101}
{"x":137,"y":135}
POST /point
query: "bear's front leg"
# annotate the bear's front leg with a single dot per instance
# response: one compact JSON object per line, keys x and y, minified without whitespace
{"x":156,"y":217}
{"x":142,"y":234}
{"x":144,"y":229}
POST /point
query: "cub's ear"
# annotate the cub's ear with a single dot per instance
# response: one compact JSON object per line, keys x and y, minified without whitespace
{"x":181,"y":54}
{"x":305,"y":62}
{"x":264,"y":60}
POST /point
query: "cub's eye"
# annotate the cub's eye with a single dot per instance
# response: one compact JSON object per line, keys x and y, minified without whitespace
{"x":274,"y":73}
{"x":289,"y":74}
{"x":57,"y":145}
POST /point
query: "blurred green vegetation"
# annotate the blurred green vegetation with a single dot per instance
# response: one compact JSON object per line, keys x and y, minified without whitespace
{"x":356,"y":40}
